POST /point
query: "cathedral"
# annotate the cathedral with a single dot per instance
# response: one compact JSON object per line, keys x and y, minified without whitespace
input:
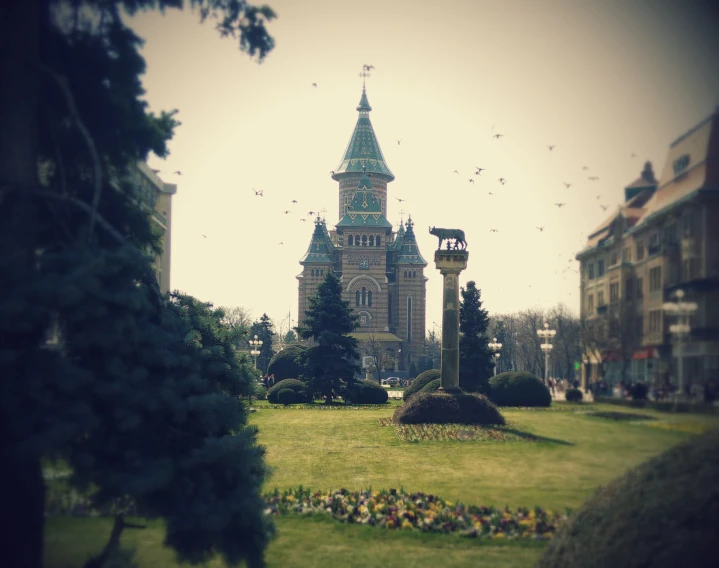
{"x":381,"y":270}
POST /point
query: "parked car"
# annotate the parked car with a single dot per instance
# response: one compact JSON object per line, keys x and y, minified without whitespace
{"x":392,"y":381}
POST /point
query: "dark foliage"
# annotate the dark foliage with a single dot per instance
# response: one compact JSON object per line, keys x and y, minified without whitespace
{"x":286,"y":396}
{"x":332,"y":361}
{"x":431,"y":386}
{"x":365,"y":392}
{"x":298,"y":387}
{"x":475,"y":357}
{"x":662,"y":514}
{"x":413,"y":370}
{"x":519,"y":389}
{"x":639,"y":391}
{"x":574,"y":395}
{"x":264,"y":332}
{"x":419,"y":383}
{"x":434,"y":408}
{"x":286,"y":364}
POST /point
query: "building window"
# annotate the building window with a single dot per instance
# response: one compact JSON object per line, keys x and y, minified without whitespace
{"x":640,"y":250}
{"x":613,"y":259}
{"x":628,"y":289}
{"x":350,"y":241}
{"x":653,"y":247}
{"x":640,"y":325}
{"x":655,"y":279}
{"x":640,"y":288}
{"x":670,"y":233}
{"x":369,"y":297}
{"x":590,"y":303}
{"x":371,"y":240}
{"x":688,"y":229}
{"x":600,"y":298}
{"x":590,"y":271}
{"x":357,"y":298}
{"x":409,"y":319}
{"x":364,"y":240}
{"x":681,"y":164}
{"x":626,"y":254}
{"x":613,"y":292}
{"x":655,"y":321}
{"x":600,"y":268}
{"x":377,"y":241}
{"x":364,"y":296}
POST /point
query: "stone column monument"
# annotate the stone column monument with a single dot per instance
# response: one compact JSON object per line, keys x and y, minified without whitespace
{"x":450,"y":262}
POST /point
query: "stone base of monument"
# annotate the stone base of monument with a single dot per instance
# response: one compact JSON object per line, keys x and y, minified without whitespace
{"x":448,"y":407}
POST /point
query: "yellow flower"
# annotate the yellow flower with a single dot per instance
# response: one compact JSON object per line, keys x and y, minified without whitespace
{"x":498,"y":535}
{"x":407,"y":525}
{"x":449,"y":503}
{"x":390,"y":524}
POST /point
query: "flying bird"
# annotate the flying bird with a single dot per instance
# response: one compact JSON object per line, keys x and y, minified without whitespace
{"x":550,"y":147}
{"x":599,"y":196}
{"x":479,"y":171}
{"x":205,"y":236}
{"x":261,"y":192}
{"x":540,"y":229}
{"x":493,"y":231}
{"x":633,"y":155}
{"x":294,"y":201}
{"x":497,"y":135}
{"x":281,"y":243}
{"x":456,"y":172}
{"x":490,"y":193}
{"x":471,"y":180}
{"x":177,"y":172}
{"x":399,"y":141}
{"x":502,"y":181}
{"x":314,"y":85}
{"x":560,"y":204}
{"x":367,"y":67}
{"x":303,"y":220}
{"x":567,"y":184}
{"x":604,"y":207}
{"x":286,"y":212}
{"x":593,"y":178}
{"x":310,"y":213}
{"x":400,"y":200}
{"x":585,"y":167}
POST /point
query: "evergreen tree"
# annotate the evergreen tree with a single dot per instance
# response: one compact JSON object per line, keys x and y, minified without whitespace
{"x":475,"y":357}
{"x":333,"y":359}
{"x":133,"y":392}
{"x":264,"y":331}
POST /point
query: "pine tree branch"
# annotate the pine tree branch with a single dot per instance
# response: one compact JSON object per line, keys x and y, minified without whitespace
{"x":75,"y":116}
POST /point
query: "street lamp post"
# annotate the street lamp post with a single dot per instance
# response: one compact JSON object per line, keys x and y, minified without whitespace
{"x":547,"y":334}
{"x":495,"y":347}
{"x":680,"y":330}
{"x":255,"y":345}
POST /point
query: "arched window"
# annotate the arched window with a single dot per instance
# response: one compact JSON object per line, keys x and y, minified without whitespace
{"x":369,"y":297}
{"x":409,"y":318}
{"x":364,"y":240}
{"x":350,"y":241}
{"x":357,"y":298}
{"x":371,"y":240}
{"x":364,"y":296}
{"x":405,"y":274}
{"x":378,"y":241}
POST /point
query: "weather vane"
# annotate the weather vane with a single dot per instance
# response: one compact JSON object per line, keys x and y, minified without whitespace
{"x":365,"y":73}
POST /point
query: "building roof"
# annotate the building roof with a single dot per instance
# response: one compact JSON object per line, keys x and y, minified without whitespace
{"x":363,"y":150}
{"x":397,"y":244}
{"x":321,"y":246}
{"x":365,"y":209}
{"x":408,"y":250}
{"x":378,"y":336}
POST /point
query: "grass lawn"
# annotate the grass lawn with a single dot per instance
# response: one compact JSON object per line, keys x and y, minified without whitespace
{"x":345,"y":448}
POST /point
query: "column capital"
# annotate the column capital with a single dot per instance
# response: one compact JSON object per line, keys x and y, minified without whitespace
{"x":450,"y":261}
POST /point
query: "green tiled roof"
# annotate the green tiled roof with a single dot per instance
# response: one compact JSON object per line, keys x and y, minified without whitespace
{"x":365,"y":209}
{"x":363,"y":150}
{"x":397,"y":244}
{"x":409,"y":251}
{"x":321,"y":247}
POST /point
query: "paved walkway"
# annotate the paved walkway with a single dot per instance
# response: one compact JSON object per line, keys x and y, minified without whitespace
{"x":556,"y":396}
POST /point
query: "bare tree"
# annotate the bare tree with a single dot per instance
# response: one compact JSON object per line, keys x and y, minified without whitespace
{"x":624,"y":334}
{"x":567,"y":348}
{"x":239,"y":320}
{"x":379,"y":357}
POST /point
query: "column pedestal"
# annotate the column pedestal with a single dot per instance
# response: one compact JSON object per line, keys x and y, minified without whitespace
{"x":450,"y":263}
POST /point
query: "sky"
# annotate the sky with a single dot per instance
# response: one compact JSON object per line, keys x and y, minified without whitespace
{"x":600,"y":81}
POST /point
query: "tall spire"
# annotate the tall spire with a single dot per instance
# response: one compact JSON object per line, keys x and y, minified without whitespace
{"x":363,"y":149}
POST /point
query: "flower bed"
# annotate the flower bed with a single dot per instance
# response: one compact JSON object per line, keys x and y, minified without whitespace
{"x":462,"y":432}
{"x":392,"y":509}
{"x":323,"y":406}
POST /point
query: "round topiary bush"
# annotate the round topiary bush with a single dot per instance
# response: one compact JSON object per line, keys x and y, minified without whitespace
{"x":662,"y":514}
{"x":366,"y":392}
{"x":286,"y":396}
{"x":259,"y":391}
{"x":431,"y":386}
{"x":436,"y":408}
{"x":285,"y":364}
{"x":639,"y":391}
{"x":519,"y":389}
{"x":574,"y":395}
{"x":298,"y":387}
{"x":419,"y":383}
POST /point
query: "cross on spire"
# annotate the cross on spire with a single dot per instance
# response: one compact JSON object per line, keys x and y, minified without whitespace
{"x":365,"y":73}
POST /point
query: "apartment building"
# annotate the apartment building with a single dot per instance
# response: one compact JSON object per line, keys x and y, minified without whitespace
{"x":662,"y":238}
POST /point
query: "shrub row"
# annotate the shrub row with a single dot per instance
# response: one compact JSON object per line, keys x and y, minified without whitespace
{"x":297,"y":387}
{"x":366,"y":392}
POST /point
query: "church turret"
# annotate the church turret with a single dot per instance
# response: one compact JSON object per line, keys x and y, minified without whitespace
{"x":316,"y":263}
{"x":365,"y":208}
{"x":363,"y":154}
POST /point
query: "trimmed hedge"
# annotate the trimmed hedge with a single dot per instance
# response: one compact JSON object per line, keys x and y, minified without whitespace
{"x":639,"y":391}
{"x":419,"y":383}
{"x":286,"y":396}
{"x":285,"y":364}
{"x":662,"y":406}
{"x":574,"y":395}
{"x":431,"y":386}
{"x":435,"y":408}
{"x":662,"y":514}
{"x":366,"y":392}
{"x":519,"y":389}
{"x":298,"y":387}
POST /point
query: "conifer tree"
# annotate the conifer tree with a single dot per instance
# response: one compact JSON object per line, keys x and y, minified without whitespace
{"x":333,"y":360}
{"x":135,"y":396}
{"x":475,"y":357}
{"x":264,"y":331}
